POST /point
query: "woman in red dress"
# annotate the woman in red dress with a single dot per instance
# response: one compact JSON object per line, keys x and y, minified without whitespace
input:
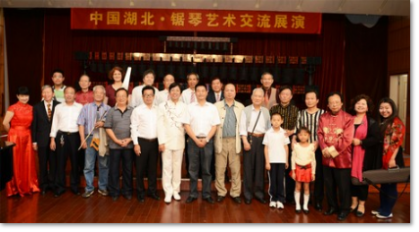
{"x":17,"y":122}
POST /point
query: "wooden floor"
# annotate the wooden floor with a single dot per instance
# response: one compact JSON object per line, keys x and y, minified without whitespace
{"x":70,"y":208}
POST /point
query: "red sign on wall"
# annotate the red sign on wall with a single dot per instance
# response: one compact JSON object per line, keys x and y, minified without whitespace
{"x":196,"y":20}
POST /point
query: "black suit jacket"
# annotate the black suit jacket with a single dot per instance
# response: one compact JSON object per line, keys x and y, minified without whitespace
{"x":211,"y":97}
{"x":41,"y":126}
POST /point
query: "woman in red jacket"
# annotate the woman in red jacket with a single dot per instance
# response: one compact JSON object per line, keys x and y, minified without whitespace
{"x":392,"y":131}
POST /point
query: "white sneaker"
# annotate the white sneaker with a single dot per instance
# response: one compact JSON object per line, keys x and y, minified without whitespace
{"x":168,"y":198}
{"x":374,"y":212}
{"x":384,"y":217}
{"x":272,"y":204}
{"x":176,"y":196}
{"x":279,"y":205}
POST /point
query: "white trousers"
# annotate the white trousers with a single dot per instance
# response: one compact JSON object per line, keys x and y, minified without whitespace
{"x":172,"y":163}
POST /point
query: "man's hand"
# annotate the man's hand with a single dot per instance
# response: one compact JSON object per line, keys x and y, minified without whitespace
{"x":52,"y":144}
{"x":99,"y":124}
{"x":35,"y":146}
{"x":137,"y":149}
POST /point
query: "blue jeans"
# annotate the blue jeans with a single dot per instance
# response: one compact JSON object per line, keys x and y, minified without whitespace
{"x":387,"y":203}
{"x":200,"y":157}
{"x":89,"y":166}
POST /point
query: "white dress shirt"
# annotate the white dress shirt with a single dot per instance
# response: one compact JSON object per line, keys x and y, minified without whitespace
{"x":163,"y":96}
{"x":137,"y":96}
{"x":170,"y":130}
{"x":143,"y":123}
{"x":186,"y":96}
{"x":65,"y":118}
{"x":201,"y":118}
{"x":260,"y":127}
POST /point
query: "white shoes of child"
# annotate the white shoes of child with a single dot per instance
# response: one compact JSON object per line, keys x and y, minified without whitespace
{"x":272,"y":204}
{"x":279,"y":205}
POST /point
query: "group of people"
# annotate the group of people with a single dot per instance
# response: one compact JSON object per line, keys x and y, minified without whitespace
{"x":112,"y":125}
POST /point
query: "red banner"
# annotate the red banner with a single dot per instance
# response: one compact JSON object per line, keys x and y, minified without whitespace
{"x":196,"y":20}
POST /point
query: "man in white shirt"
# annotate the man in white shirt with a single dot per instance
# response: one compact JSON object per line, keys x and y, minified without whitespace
{"x":254,"y":123}
{"x":65,"y":139}
{"x":171,"y":136}
{"x":163,"y":95}
{"x":188,"y":95}
{"x":201,"y":121}
{"x":137,"y":94}
{"x":144,"y":137}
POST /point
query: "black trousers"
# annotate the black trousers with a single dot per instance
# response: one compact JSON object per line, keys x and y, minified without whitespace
{"x":289,"y":182}
{"x":71,"y":144}
{"x":338,"y":180}
{"x":319,"y":182}
{"x":47,"y":168}
{"x":147,"y":162}
{"x":115,"y":158}
{"x":254,"y":170}
{"x":276,"y":182}
{"x":360,"y":191}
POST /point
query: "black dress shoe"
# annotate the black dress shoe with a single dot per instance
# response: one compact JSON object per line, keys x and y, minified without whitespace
{"x":115,"y":198}
{"x":76,"y":192}
{"x":154,"y":196}
{"x":128,"y":197}
{"x":261,"y":200}
{"x":359,"y":214}
{"x":297,"y":211}
{"x":318,"y":207}
{"x":306,"y":211}
{"x":238,"y":200}
{"x":330,"y":211}
{"x":343,"y":215}
{"x":43,"y":192}
{"x":190,"y":199}
{"x":58,"y":194}
{"x":209,"y":200}
{"x":140,"y":198}
{"x":220,"y":198}
{"x":353,"y":209}
{"x":247,"y":202}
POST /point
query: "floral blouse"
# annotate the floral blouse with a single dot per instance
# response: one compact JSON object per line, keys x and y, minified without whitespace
{"x":393,"y":139}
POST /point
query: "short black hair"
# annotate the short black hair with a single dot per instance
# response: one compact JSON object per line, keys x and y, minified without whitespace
{"x":334,"y":93}
{"x":202,"y":85}
{"x":121,"y":89}
{"x":149,"y":71}
{"x":284,"y":87}
{"x":216,"y":78}
{"x":69,"y":87}
{"x":311,"y":91}
{"x":22,"y":90}
{"x":148,"y":87}
{"x":57,"y":70}
{"x":276,"y":113}
{"x":192,"y":73}
{"x":174,"y":85}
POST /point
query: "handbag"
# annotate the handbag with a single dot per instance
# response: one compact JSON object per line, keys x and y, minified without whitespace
{"x":249,"y":137}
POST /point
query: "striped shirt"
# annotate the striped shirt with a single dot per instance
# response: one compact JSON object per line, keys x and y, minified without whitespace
{"x":289,"y":115}
{"x":230,"y":121}
{"x":90,"y":114}
{"x":311,"y":121}
{"x":120,"y":123}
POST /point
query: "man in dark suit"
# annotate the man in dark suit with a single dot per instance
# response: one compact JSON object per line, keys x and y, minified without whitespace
{"x":41,"y":127}
{"x":216,"y":93}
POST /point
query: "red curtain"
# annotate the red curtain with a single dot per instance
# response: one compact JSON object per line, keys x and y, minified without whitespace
{"x":61,"y":43}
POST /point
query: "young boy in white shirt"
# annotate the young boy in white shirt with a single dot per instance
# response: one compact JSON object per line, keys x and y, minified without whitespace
{"x":276,"y":160}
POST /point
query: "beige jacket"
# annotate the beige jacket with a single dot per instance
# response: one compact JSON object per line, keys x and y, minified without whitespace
{"x":238,"y":108}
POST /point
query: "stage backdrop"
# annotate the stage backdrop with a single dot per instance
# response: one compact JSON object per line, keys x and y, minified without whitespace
{"x":60,"y":44}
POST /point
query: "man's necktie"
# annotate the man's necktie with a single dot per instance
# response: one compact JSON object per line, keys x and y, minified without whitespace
{"x":49,"y":111}
{"x":192,"y":97}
